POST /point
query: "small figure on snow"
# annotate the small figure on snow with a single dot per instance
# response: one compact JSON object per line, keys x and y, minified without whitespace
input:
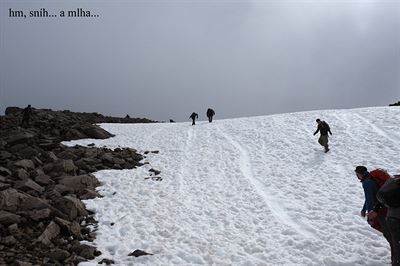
{"x":323,"y":128}
{"x":193,"y":116}
{"x":210,"y":114}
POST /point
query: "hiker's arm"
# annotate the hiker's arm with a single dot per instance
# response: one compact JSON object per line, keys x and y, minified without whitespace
{"x":370,"y":195}
{"x":316,"y":131}
{"x":329,"y":130}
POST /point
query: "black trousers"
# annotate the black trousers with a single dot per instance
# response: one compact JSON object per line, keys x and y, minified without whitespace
{"x":393,"y":225}
{"x":210,"y":119}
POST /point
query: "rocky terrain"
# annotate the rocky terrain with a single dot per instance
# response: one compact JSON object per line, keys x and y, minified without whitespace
{"x":42,"y":183}
{"x":395,"y":104}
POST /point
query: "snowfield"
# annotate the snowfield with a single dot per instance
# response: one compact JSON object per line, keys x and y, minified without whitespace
{"x":246,"y":191}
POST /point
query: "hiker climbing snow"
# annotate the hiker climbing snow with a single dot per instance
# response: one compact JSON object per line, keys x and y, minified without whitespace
{"x":323,"y":128}
{"x":193,"y":116}
{"x":210,"y":114}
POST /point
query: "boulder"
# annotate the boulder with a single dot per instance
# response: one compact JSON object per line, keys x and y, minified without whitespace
{"x":71,"y":207}
{"x":36,"y":203}
{"x":51,"y":231}
{"x":4,"y":155}
{"x":84,"y":251}
{"x":61,"y":166}
{"x":58,"y":254}
{"x":107,"y":261}
{"x":28,"y":152}
{"x":21,"y":137}
{"x":7,"y":218}
{"x":25,"y":164}
{"x":43,"y":180}
{"x":96,"y":132}
{"x":107,"y":158}
{"x":28,"y":184}
{"x":11,"y":199}
{"x":51,"y":156}
{"x":79,"y":183}
{"x":67,"y":155}
{"x":22,"y":174}
{"x":8,"y":240}
{"x":138,"y":253}
{"x":4,"y":171}
{"x":72,"y":228}
{"x":38,"y":215}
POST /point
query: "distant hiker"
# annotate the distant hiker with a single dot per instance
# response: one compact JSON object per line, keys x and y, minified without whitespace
{"x":323,"y":128}
{"x":210,"y":114}
{"x":171,"y":121}
{"x":127,"y":117}
{"x":26,"y":116}
{"x":193,"y":116}
{"x":389,"y":197}
{"x":371,"y":182}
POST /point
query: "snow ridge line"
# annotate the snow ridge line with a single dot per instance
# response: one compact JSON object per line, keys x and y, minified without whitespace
{"x":277,"y":211}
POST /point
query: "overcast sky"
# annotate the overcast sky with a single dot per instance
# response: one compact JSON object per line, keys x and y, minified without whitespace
{"x":165,"y":59}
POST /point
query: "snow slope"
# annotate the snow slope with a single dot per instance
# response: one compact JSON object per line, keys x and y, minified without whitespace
{"x":247,"y":191}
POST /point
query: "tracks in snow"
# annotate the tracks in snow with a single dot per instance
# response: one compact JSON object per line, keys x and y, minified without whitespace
{"x":273,"y":203}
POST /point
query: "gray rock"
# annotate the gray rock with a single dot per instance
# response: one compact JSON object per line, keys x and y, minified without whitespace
{"x":73,"y":228}
{"x":22,"y":174}
{"x":71,"y":207}
{"x":51,"y":231}
{"x":34,"y":203}
{"x":11,"y":199}
{"x":8,"y":241}
{"x":84,"y":251}
{"x":28,"y":184}
{"x":7,"y":218}
{"x":58,"y":254}
{"x":38,"y":215}
{"x":138,"y":253}
{"x":43,"y":180}
{"x":51,"y":156}
{"x":4,"y":155}
{"x":22,"y":137}
{"x":79,"y":183}
{"x":4,"y":171}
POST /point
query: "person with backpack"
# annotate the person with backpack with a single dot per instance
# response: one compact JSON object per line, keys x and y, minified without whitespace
{"x":323,"y":128}
{"x":389,"y":196}
{"x":210,"y":114}
{"x":193,"y":116}
{"x":371,"y":182}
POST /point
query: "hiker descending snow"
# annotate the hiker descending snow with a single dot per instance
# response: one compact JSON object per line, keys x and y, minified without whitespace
{"x":323,"y":128}
{"x":193,"y":116}
{"x":210,"y":114}
{"x":371,"y":182}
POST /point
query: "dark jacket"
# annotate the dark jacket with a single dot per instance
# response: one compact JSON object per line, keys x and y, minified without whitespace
{"x":194,"y":116}
{"x":370,"y":189}
{"x":210,"y":112}
{"x":324,"y":128}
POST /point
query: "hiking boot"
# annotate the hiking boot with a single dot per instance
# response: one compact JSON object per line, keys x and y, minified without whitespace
{"x":326,"y":150}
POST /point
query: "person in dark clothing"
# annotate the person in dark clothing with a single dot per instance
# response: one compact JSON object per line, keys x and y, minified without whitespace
{"x":26,"y":116}
{"x":392,"y":216}
{"x":375,"y":218}
{"x":193,"y":116}
{"x":323,"y":128}
{"x":210,"y":114}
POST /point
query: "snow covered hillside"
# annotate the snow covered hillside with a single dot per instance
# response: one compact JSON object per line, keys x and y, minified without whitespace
{"x":246,"y":191}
